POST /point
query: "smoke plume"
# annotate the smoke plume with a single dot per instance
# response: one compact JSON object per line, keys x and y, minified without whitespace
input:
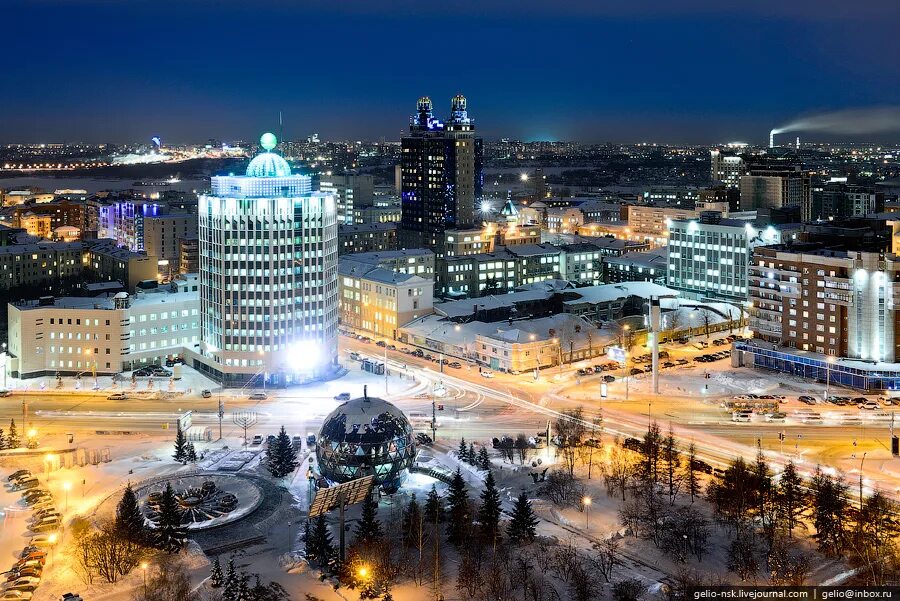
{"x":873,"y":120}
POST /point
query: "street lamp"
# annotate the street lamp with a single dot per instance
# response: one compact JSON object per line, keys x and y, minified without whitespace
{"x":67,"y":486}
{"x":48,"y":460}
{"x":861,"y":461}
{"x":52,"y":540}
{"x":586,"y":501}
{"x":829,"y":361}
{"x":144,"y":570}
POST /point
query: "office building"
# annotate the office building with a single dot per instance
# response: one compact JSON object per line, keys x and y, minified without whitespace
{"x":726,"y":168}
{"x":162,"y":239}
{"x":268,"y":276}
{"x":837,"y":199}
{"x":351,"y":192}
{"x":441,"y":175}
{"x":709,"y":257}
{"x":773,"y":185}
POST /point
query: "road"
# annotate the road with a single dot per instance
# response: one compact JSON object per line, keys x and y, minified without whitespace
{"x":480,"y":408}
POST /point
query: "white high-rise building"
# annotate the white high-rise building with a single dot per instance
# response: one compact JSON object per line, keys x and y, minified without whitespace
{"x":268,"y":276}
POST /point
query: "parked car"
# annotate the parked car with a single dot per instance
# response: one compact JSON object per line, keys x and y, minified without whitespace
{"x":343,"y":396}
{"x":18,"y":474}
{"x":608,"y":379}
{"x":310,"y":439}
{"x":297,"y":442}
{"x":455,"y":365}
{"x":5,"y":393}
{"x":117,"y":396}
{"x":636,"y":370}
{"x":206,"y":393}
{"x":870,"y":405}
{"x":258,"y":396}
{"x":809,"y":400}
{"x":26,"y":484}
{"x":16,"y":595}
{"x":42,"y":541}
{"x":257,"y":440}
{"x":487,"y":374}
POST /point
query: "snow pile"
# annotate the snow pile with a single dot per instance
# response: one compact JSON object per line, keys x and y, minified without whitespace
{"x":293,"y":563}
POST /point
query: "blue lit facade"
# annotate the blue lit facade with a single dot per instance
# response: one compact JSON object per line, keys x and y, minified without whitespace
{"x":815,"y":367}
{"x":268,"y":277}
{"x":123,"y":221}
{"x":442,"y":175}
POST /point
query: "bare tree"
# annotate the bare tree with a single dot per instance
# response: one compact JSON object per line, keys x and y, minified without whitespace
{"x":605,"y":557}
{"x":167,"y":581}
{"x":564,"y":561}
{"x":522,"y":445}
{"x":562,"y":488}
{"x":619,"y":470}
{"x":570,"y":429}
{"x":691,"y":476}
{"x":671,"y":459}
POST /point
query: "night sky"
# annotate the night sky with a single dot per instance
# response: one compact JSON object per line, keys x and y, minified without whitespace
{"x":659,"y":70}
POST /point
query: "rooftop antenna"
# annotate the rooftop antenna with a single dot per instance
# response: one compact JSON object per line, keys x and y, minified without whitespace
{"x":365,"y":392}
{"x":280,"y":127}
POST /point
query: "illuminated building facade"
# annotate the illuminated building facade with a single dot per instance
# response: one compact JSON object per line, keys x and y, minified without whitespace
{"x":268,"y":276}
{"x":441,"y":175}
{"x":709,"y":256}
{"x":832,"y":302}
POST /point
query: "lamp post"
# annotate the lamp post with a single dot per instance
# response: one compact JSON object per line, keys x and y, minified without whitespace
{"x":586,"y":501}
{"x":829,"y":361}
{"x":144,"y":570}
{"x":861,"y":461}
{"x":67,"y":486}
{"x":262,"y":354}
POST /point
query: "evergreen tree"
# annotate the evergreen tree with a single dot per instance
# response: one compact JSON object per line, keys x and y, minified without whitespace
{"x":523,"y":523}
{"x":216,"y":577}
{"x":459,"y":518}
{"x":830,"y":507}
{"x":463,"y":451}
{"x":243,"y":592}
{"x":434,"y":507}
{"x":190,"y":453}
{"x":484,"y":460}
{"x":489,"y":512}
{"x":471,"y":456}
{"x":791,"y":498}
{"x":691,"y":477}
{"x":231,"y":583}
{"x":368,"y":529}
{"x":4,"y":444}
{"x":129,"y":521}
{"x":412,"y":515}
{"x":387,"y":596}
{"x":180,"y":453}
{"x":12,"y":438}
{"x":170,"y":534}
{"x":281,"y":456}
{"x":319,"y":543}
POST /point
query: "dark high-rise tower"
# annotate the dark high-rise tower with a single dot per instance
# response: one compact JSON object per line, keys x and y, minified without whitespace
{"x":441,"y":175}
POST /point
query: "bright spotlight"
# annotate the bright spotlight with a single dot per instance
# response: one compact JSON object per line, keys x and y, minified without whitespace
{"x":524,"y":177}
{"x":485,"y":206}
{"x":307,"y":353}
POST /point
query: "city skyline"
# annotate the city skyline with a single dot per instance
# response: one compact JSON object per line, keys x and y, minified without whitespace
{"x":702,"y":74}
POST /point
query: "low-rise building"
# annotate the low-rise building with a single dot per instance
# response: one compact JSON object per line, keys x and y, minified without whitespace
{"x":111,"y":262}
{"x":380,"y":301}
{"x":414,"y":261}
{"x":75,"y":335}
{"x":368,"y":237}
{"x":648,"y":266}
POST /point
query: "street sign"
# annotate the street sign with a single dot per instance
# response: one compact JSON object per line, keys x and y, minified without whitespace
{"x":348,"y":493}
{"x":616,"y":353}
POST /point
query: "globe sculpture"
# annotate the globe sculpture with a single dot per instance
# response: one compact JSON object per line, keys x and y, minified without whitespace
{"x":366,"y":436}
